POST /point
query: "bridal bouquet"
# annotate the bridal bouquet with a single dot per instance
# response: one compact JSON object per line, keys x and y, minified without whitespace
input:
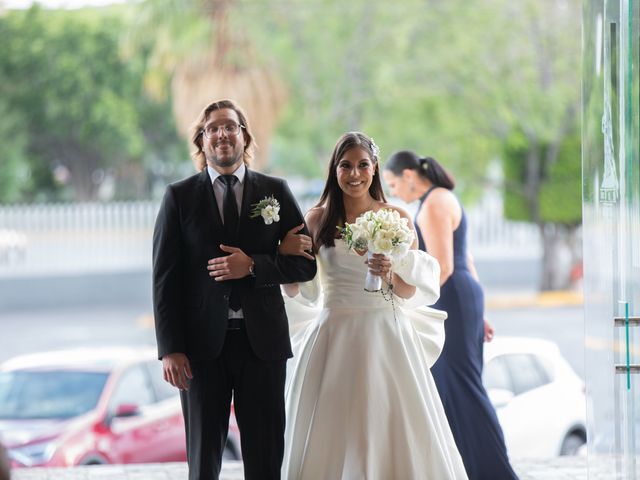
{"x":384,"y":231}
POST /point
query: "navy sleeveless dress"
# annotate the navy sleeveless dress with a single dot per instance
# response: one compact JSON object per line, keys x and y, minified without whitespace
{"x":458,"y":370}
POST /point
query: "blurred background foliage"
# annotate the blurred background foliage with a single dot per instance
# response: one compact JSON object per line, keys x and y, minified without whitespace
{"x":97,"y":103}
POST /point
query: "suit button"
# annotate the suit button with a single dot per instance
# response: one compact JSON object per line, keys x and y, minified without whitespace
{"x":226,"y":297}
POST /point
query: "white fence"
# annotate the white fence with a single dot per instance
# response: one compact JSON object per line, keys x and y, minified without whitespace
{"x":491,"y":236}
{"x":56,"y":239}
{"x":71,"y":238}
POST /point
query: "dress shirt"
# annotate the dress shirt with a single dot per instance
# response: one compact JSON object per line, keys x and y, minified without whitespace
{"x":218,"y":191}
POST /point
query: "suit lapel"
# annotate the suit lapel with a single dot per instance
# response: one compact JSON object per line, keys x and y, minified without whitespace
{"x":248,"y":199}
{"x":208,"y":204}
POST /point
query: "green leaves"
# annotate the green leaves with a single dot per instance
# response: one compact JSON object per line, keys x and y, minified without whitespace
{"x":77,"y":101}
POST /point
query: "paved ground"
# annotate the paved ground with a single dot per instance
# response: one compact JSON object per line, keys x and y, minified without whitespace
{"x":561,"y":468}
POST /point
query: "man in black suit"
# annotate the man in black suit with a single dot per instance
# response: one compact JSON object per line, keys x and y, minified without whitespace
{"x":221,"y":325}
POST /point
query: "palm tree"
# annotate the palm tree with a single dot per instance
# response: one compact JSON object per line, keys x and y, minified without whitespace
{"x":197,"y":53}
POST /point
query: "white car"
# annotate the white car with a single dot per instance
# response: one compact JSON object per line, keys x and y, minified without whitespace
{"x":539,"y":399}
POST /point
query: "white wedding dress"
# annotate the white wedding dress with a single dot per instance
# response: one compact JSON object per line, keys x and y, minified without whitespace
{"x":360,"y":399}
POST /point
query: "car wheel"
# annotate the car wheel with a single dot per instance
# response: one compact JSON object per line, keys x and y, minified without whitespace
{"x":572,"y":444}
{"x":94,"y":460}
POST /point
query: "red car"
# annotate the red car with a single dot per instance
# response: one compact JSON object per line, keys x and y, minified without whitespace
{"x":92,"y":406}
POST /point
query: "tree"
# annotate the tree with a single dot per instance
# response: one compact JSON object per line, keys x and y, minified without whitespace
{"x":517,"y":70}
{"x":197,"y":51}
{"x":556,"y":202}
{"x":14,"y":168}
{"x":543,"y":173}
{"x":75,"y":101}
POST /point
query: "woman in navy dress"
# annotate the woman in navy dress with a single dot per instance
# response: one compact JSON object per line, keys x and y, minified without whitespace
{"x":441,"y":228}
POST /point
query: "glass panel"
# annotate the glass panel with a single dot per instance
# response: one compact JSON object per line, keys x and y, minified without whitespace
{"x":611,"y":229}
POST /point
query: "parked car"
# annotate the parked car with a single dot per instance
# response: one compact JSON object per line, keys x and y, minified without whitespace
{"x":539,"y":399}
{"x":92,"y":406}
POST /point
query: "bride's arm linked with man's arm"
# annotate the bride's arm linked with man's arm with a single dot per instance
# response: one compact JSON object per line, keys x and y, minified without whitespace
{"x":298,"y":244}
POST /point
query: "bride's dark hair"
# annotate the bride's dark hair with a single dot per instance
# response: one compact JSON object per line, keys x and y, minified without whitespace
{"x":333,"y":214}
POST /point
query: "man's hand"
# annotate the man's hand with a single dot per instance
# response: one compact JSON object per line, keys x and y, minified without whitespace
{"x":296,"y":244}
{"x":488,"y":331}
{"x":176,"y":370}
{"x":231,"y":267}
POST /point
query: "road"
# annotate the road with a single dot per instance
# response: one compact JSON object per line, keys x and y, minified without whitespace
{"x":28,"y":331}
{"x":563,"y":325}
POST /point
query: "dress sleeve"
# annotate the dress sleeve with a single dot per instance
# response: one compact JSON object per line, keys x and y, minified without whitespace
{"x":310,"y":292}
{"x":428,"y":324}
{"x":303,"y":308}
{"x":421,"y":270}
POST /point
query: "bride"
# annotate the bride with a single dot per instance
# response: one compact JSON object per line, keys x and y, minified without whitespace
{"x":361,"y":402}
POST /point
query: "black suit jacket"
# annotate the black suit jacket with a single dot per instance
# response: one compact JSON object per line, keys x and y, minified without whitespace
{"x":190,"y":307}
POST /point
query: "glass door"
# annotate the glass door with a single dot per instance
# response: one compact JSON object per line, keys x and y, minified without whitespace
{"x":611,"y":233}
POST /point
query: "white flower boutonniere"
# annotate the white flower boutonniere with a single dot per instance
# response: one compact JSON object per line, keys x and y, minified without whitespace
{"x":268,"y":208}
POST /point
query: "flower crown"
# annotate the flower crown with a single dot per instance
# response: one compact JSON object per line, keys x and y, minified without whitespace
{"x":374,"y":149}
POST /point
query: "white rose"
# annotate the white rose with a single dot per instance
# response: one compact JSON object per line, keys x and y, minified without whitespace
{"x":269,"y":214}
{"x":382,"y":245}
{"x":390,"y":234}
{"x":356,"y":231}
{"x":402,"y":236}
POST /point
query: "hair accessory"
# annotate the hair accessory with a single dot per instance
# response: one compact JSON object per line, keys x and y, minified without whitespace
{"x":424,"y":163}
{"x":375,"y":149}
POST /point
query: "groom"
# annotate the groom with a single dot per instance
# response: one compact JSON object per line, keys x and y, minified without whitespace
{"x":221,"y":325}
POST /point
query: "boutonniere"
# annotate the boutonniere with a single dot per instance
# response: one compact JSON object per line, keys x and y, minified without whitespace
{"x":267,"y":208}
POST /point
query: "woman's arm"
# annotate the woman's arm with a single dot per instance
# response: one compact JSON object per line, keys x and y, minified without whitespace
{"x":402,"y":288}
{"x":437,"y":219}
{"x":298,"y":244}
{"x":472,"y":267}
{"x":489,"y":332}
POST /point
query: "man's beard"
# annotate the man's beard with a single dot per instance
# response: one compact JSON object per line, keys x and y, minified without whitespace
{"x":227,"y":162}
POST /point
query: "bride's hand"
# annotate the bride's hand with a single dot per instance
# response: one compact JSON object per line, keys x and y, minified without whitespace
{"x":488,"y":331}
{"x":290,"y":289}
{"x":296,"y":244}
{"x":379,"y":265}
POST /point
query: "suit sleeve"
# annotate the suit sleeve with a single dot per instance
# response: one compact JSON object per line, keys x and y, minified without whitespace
{"x":167,"y":277}
{"x":279,"y":269}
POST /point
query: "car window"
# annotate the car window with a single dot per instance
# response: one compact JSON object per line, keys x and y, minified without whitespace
{"x":49,"y":394}
{"x":132,"y":388}
{"x":526,"y":372}
{"x":496,"y":375}
{"x":547,"y":367}
{"x":162,"y":389}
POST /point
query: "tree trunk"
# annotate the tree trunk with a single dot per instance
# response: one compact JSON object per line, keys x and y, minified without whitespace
{"x":557,"y":256}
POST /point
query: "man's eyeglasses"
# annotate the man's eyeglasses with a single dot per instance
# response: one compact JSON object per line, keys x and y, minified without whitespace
{"x":231,"y":128}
